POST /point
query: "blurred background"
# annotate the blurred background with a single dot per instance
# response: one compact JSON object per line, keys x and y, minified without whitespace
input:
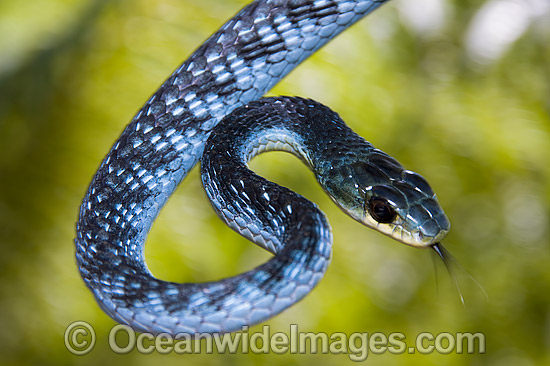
{"x":455,"y":90}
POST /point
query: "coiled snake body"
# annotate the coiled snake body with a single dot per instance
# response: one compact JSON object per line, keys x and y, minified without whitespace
{"x":168,"y":136}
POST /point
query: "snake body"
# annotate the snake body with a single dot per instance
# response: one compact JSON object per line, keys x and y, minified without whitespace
{"x":167,"y":137}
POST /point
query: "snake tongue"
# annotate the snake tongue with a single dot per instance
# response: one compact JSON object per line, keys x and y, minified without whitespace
{"x":441,"y":252}
{"x":448,"y":260}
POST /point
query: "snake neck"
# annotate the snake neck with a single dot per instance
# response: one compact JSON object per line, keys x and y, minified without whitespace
{"x":303,"y":127}
{"x":312,"y":132}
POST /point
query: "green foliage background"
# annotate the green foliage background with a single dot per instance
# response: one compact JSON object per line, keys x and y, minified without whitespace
{"x":73,"y":73}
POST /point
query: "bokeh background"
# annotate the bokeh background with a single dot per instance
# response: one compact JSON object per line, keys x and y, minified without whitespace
{"x":456,"y":90}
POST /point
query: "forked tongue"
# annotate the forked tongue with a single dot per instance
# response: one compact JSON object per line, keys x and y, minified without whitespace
{"x":451,"y":264}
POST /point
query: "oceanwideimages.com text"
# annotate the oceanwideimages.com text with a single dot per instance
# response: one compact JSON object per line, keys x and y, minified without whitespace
{"x":80,"y":339}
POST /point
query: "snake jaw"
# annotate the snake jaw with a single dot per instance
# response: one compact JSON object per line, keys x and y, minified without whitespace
{"x":398,"y":230}
{"x":425,"y":241}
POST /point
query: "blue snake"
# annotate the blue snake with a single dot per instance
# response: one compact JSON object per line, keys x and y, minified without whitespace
{"x":210,"y":110}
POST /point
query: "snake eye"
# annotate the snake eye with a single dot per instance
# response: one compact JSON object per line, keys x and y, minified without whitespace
{"x":381,"y":210}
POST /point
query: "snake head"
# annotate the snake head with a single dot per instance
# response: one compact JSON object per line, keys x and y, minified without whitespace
{"x":405,"y":213}
{"x":383,"y":195}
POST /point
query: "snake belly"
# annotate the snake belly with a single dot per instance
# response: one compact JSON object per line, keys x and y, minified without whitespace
{"x":237,"y":64}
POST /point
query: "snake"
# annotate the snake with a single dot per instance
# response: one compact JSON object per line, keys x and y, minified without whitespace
{"x":211,"y":110}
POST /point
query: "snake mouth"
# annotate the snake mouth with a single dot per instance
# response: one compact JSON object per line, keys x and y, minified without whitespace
{"x":415,"y":238}
{"x":427,"y":241}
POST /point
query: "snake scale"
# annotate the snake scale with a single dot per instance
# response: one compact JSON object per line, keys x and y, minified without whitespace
{"x":224,"y":79}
